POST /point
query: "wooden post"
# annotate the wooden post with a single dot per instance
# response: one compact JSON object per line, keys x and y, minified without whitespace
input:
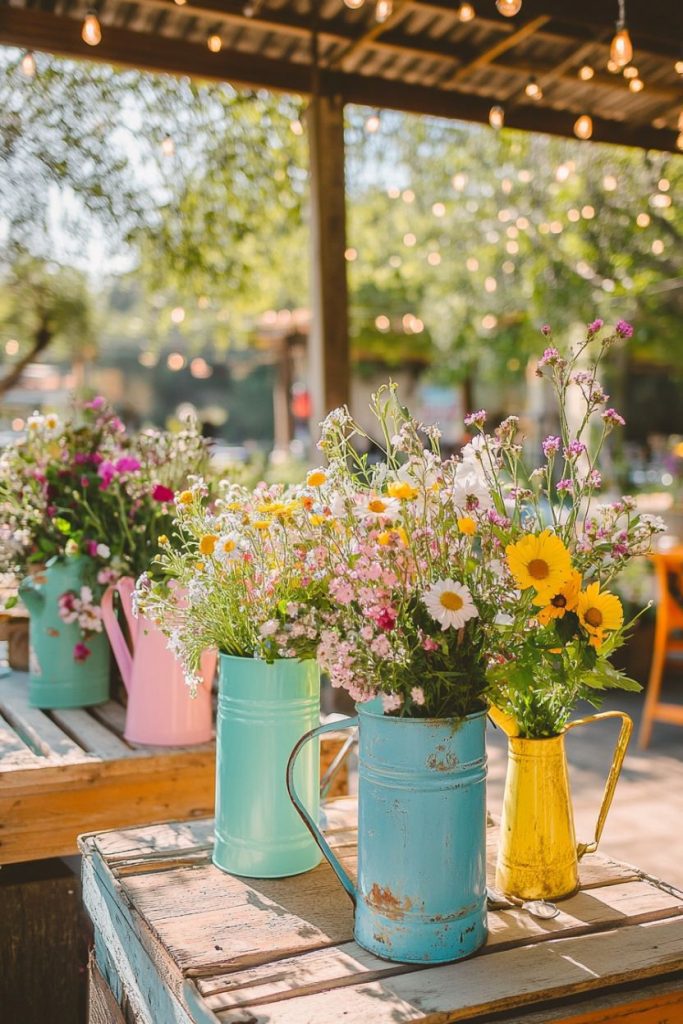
{"x":328,"y":353}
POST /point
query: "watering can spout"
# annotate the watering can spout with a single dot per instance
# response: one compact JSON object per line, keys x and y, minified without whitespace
{"x":32,"y":593}
{"x":503,"y":721}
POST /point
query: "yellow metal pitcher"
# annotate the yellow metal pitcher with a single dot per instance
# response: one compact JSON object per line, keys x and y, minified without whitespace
{"x":538,"y":854}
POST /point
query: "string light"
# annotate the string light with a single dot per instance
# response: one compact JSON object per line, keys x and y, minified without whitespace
{"x":168,"y":146}
{"x":91,"y":33}
{"x":384,"y":10}
{"x":181,"y":3}
{"x":382,"y":323}
{"x":215,"y":43}
{"x":609,"y":183}
{"x":533,"y":89}
{"x":296,"y":127}
{"x":586,"y":73}
{"x":642,"y":220}
{"x":631,"y":71}
{"x":354,"y":4}
{"x":583,"y":127}
{"x":496,"y":117}
{"x":621,"y":47}
{"x":636,"y":85}
{"x":508,"y":8}
{"x":350,"y":255}
{"x":613,"y":66}
{"x":28,"y":65}
{"x":678,"y":67}
{"x":466,"y":12}
{"x":372,"y":124}
{"x":438,"y":209}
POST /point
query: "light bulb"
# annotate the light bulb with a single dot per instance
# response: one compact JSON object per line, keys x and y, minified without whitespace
{"x":496,"y":117}
{"x":508,"y":8}
{"x":586,"y":73}
{"x":636,"y":85}
{"x":678,"y":67}
{"x":466,"y":12}
{"x":583,"y":127}
{"x":168,"y":146}
{"x":354,"y":4}
{"x":621,"y":48}
{"x":372,"y":124}
{"x":91,"y":33}
{"x":28,"y":65}
{"x":631,"y":71}
{"x":384,"y":10}
{"x":215,"y":44}
{"x":533,"y":90}
{"x":612,"y":66}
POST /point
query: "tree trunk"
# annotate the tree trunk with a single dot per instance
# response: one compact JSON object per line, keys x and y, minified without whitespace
{"x":41,"y":340}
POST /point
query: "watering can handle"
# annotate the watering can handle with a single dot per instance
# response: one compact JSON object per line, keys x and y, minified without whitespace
{"x":124,"y":658}
{"x":614,"y":772}
{"x":303,"y":812}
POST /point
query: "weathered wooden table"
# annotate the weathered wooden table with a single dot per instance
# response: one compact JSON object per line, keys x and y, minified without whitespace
{"x":177,"y":942}
{"x":71,"y":771}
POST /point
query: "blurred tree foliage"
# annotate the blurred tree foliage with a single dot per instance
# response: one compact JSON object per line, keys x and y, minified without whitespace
{"x":462,"y":240}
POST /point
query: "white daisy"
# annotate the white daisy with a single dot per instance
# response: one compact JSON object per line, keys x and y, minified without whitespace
{"x":470,"y":489}
{"x":449,"y":603}
{"x":375,"y":506}
{"x":227,"y":547}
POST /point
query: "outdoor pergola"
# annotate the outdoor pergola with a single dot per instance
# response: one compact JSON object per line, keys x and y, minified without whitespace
{"x":541,"y":70}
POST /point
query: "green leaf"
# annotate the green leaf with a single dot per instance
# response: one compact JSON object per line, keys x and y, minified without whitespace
{"x":606,"y":677}
{"x":11,"y":602}
{"x":567,"y":627}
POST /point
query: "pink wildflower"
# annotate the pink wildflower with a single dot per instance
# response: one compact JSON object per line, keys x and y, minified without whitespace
{"x":417,"y":695}
{"x":574,"y":449}
{"x":391,"y":702}
{"x":551,"y":445}
{"x":81,"y":652}
{"x":161,"y":493}
{"x":127,"y":464}
{"x":386,"y":620}
{"x":476,"y":419}
{"x":613,"y":418}
{"x":546,"y":329}
{"x":97,"y":403}
{"x":565,"y":485}
{"x":595,"y":326}
{"x":624,"y":329}
{"x":551,"y":357}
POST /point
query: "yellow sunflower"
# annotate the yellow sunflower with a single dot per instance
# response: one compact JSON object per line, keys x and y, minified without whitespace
{"x":541,"y":562}
{"x":598,"y":612}
{"x":565,"y":600}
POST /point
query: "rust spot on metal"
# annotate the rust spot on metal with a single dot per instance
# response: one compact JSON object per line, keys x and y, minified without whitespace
{"x":52,"y":632}
{"x":442,"y":760}
{"x":387,"y":903}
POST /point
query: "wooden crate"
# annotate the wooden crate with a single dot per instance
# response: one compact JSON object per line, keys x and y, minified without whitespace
{"x":67,"y":772}
{"x":179,"y":941}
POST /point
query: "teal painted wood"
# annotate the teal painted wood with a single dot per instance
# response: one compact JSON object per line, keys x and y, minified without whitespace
{"x":56,"y":679}
{"x":262,"y":711}
{"x":421,"y":893}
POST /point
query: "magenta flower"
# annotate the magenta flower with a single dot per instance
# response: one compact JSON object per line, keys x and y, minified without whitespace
{"x":594,"y":478}
{"x":106,"y":472}
{"x":476,"y":419}
{"x":386,"y":620}
{"x":624,"y":329}
{"x":595,"y":326}
{"x":91,"y":548}
{"x":551,"y":445}
{"x":546,"y":329}
{"x":81,"y":652}
{"x":613,"y":418}
{"x":97,"y":403}
{"x":551,"y":357}
{"x":565,"y":485}
{"x":574,"y":449}
{"x":127,"y":464}
{"x":161,"y":493}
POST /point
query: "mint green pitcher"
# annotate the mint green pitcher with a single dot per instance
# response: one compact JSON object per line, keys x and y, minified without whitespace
{"x":56,"y":679}
{"x":263,"y":711}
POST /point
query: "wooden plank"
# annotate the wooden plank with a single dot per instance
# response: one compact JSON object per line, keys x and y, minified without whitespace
{"x":43,"y":812}
{"x":34,"y":726}
{"x":548,"y":970}
{"x":112,"y":715}
{"x":489,"y":53}
{"x":663,"y":1004}
{"x":102,"y":1007}
{"x":94,"y":737}
{"x":14,"y":753}
{"x":159,"y":841}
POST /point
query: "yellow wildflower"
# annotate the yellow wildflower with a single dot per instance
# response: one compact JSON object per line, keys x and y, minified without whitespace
{"x":565,"y":600}
{"x":316,"y":478}
{"x":185,"y":498}
{"x":261,"y":524}
{"x":541,"y":562}
{"x":599,"y":611}
{"x":316,"y":519}
{"x":397,"y":535}
{"x":467,"y":526}
{"x":207,"y":543}
{"x":402,"y":489}
{"x":163,"y":540}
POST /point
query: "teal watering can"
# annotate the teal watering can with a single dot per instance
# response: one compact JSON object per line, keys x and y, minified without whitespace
{"x":57,"y":679}
{"x":263,"y":709}
{"x":421,"y":892}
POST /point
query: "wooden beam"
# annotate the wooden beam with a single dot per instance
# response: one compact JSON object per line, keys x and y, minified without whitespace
{"x":372,"y":34}
{"x":37,"y":30}
{"x":488,"y":55}
{"x":328,"y":349}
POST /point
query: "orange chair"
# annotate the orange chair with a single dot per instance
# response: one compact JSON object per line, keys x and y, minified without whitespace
{"x":668,"y":639}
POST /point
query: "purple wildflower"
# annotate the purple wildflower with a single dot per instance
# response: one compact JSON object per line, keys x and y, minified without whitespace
{"x":613,"y":418}
{"x":550,"y":357}
{"x":551,"y":445}
{"x":574,"y":449}
{"x":594,"y":479}
{"x":496,"y":519}
{"x":565,"y":486}
{"x":127,"y":464}
{"x":595,"y":326}
{"x":624,"y":329}
{"x":546,"y":329}
{"x":476,"y":419}
{"x":97,"y":403}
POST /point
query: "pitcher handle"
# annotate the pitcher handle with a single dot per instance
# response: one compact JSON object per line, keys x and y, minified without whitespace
{"x":614,"y":772}
{"x":125,"y":588}
{"x":303,"y":812}
{"x":124,"y":658}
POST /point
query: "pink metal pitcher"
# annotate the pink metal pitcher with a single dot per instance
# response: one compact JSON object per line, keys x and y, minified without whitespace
{"x":161,"y":710}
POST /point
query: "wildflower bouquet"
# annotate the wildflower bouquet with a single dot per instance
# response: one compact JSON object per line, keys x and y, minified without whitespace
{"x":562,"y":551}
{"x":250,"y":569}
{"x":83,"y":487}
{"x":413,"y":590}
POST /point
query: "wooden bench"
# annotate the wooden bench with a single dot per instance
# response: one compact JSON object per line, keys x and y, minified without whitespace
{"x":179,"y":942}
{"x":67,"y":772}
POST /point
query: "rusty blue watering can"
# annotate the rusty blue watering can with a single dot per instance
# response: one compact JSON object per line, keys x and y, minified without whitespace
{"x":421,"y":892}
